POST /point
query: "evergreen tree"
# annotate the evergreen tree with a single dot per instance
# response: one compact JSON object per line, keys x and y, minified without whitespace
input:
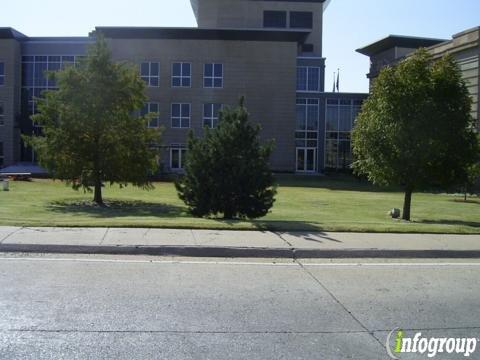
{"x":90,"y":129}
{"x":227,"y":171}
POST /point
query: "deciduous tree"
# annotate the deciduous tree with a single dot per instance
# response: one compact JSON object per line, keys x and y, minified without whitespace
{"x":91,"y":131}
{"x":415,"y":129}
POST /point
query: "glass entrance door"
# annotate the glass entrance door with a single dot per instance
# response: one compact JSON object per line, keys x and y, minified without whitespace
{"x":306,"y":159}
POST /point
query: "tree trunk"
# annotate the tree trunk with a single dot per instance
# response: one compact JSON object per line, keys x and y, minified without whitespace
{"x":98,"y":191}
{"x":407,"y":204}
{"x":228,"y":213}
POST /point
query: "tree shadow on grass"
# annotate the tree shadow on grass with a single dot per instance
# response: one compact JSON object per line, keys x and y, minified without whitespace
{"x":451,"y":222}
{"x":468,"y":201}
{"x":117,"y":208}
{"x":341,"y":183}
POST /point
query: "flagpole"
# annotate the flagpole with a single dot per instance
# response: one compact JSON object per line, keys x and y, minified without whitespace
{"x":338,"y":80}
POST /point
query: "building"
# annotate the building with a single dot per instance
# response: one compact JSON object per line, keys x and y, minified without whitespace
{"x":464,"y":46}
{"x":268,"y":51}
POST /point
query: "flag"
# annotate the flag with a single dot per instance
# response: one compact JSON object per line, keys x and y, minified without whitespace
{"x":333,"y":82}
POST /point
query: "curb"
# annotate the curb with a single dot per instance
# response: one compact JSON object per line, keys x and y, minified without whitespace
{"x":237,"y":252}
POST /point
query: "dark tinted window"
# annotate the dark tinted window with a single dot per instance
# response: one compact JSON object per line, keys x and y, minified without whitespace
{"x":307,"y":48}
{"x":275,"y":19}
{"x":301,"y":19}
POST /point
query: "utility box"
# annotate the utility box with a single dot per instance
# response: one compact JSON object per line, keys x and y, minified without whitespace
{"x":5,"y":184}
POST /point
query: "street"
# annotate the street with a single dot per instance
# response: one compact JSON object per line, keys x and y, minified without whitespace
{"x":127,"y":307}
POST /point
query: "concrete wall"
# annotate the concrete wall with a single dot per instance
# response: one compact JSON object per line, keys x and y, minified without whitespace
{"x":265,"y":72}
{"x":249,"y":14}
{"x":10,"y":97}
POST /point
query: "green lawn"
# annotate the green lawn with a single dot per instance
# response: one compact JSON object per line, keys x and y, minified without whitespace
{"x":303,"y":203}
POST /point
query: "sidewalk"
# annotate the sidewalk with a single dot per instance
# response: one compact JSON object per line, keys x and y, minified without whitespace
{"x":215,"y":243}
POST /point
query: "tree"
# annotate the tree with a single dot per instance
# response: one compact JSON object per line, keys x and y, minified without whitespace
{"x":415,"y":129}
{"x":472,"y":183}
{"x":471,"y":186}
{"x":91,"y":131}
{"x":227,"y":171}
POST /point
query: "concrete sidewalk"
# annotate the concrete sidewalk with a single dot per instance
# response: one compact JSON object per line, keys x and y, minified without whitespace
{"x":215,"y":243}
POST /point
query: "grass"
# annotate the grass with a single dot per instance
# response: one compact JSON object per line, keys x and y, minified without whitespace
{"x":303,"y":204}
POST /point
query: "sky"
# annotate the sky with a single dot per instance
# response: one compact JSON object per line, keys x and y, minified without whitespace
{"x":348,"y":24}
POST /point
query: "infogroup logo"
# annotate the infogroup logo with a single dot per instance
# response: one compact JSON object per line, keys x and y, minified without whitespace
{"x":430,"y":346}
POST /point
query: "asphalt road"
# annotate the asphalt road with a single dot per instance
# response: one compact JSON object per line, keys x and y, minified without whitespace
{"x":91,"y":307}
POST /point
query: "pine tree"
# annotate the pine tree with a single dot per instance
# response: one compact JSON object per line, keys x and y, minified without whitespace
{"x":227,"y":171}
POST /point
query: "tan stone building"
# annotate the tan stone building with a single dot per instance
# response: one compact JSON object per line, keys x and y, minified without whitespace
{"x":464,"y":46}
{"x":269,"y":51}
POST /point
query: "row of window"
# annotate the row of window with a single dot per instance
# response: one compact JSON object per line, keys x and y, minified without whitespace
{"x":340,"y":119}
{"x":180,"y":114}
{"x":2,"y":73}
{"x":296,"y":19}
{"x":308,"y":78}
{"x":306,"y":134}
{"x":34,"y":69}
{"x":182,"y":74}
{"x":34,"y":74}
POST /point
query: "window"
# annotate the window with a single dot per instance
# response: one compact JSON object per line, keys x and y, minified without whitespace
{"x":275,"y":19}
{"x":301,"y":20}
{"x":152,"y":108}
{"x":306,"y":159}
{"x":307,"y":114}
{"x":177,"y":157}
{"x":306,"y":134}
{"x":210,"y":114}
{"x":2,"y":73}
{"x":180,"y":116}
{"x":70,"y":60}
{"x":1,"y":155}
{"x":34,"y":75}
{"x":307,"y":48}
{"x":308,"y":78}
{"x":340,"y":118}
{"x":181,"y":75}
{"x":213,"y":76}
{"x":2,"y":115}
{"x":150,"y":73}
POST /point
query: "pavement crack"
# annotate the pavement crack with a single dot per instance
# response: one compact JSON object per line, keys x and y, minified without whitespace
{"x":283,"y":239}
{"x":371,"y":333}
{"x":104,"y":236}
{"x":12,"y":233}
{"x":194,"y":237}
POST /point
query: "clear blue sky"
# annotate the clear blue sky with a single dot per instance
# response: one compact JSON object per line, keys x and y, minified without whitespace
{"x":349,"y":24}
